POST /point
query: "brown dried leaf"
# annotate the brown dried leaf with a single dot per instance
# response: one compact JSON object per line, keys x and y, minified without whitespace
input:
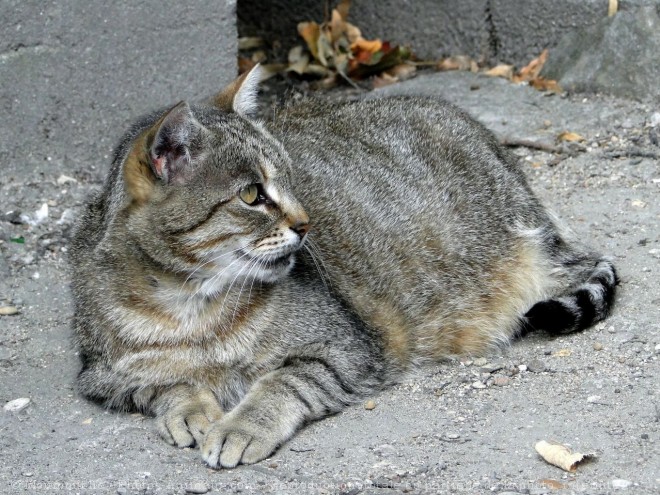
{"x":369,"y":46}
{"x":459,"y":62}
{"x":570,"y":137}
{"x":533,"y":69}
{"x":401,"y":71}
{"x":562,"y":353}
{"x":337,"y":26}
{"x":353,"y":33}
{"x":543,"y":84}
{"x":250,"y":42}
{"x":384,"y":79}
{"x":310,"y":32}
{"x":560,"y":455}
{"x":324,"y":51}
{"x":502,"y":70}
{"x":553,"y":484}
{"x":343,"y":8}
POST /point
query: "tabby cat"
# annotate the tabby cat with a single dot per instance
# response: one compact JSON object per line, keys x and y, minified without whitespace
{"x":237,"y":279}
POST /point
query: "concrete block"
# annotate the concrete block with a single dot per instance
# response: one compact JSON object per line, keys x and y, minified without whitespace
{"x":75,"y":72}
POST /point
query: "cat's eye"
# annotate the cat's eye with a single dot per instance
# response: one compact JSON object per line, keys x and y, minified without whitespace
{"x":250,"y":194}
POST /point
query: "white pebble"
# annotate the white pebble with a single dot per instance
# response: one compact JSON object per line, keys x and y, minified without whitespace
{"x":478,"y":385}
{"x":16,"y":405}
{"x":522,"y":367}
{"x":622,"y":484}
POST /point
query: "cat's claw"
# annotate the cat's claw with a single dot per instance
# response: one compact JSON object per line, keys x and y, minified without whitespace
{"x":232,"y":442}
{"x":186,"y":423}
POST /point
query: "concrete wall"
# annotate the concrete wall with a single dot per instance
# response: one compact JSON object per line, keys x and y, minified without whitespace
{"x":74,"y":72}
{"x":512,"y":31}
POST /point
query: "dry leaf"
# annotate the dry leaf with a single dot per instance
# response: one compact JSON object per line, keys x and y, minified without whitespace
{"x":402,"y":71}
{"x":560,"y":455}
{"x":259,"y":57}
{"x":533,"y":69}
{"x":459,"y":62}
{"x":553,"y":484}
{"x":245,"y":64}
{"x":310,"y":32}
{"x":571,"y":137}
{"x":612,"y":8}
{"x":369,"y":46}
{"x":250,"y":42}
{"x":502,"y":70}
{"x":343,"y":8}
{"x":542,"y":84}
{"x":384,"y":79}
{"x":562,"y":353}
{"x":87,"y":421}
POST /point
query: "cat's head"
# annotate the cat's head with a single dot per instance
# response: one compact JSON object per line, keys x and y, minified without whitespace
{"x":209,"y":195}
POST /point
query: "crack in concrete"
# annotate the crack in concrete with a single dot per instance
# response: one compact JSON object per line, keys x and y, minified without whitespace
{"x":493,"y":44}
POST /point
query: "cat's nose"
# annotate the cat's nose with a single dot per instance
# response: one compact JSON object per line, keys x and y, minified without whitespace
{"x":301,"y":228}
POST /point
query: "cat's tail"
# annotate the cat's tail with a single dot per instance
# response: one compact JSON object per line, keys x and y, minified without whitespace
{"x":586,"y":303}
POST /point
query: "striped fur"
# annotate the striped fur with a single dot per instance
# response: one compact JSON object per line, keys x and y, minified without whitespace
{"x":574,"y":310}
{"x":202,"y":296}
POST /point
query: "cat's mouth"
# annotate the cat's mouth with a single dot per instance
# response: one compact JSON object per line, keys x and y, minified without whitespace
{"x":271,"y":267}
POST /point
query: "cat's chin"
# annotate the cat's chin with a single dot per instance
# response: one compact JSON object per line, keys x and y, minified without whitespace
{"x":271,"y":270}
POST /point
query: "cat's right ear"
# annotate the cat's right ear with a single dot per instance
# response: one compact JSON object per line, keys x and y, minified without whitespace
{"x":161,"y":153}
{"x":241,"y":95}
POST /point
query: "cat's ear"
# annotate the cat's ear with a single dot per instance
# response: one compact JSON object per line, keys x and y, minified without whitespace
{"x":241,"y":95}
{"x":161,"y":152}
{"x":169,"y":150}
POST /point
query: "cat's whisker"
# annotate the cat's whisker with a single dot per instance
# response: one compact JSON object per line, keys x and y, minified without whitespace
{"x":313,"y":251}
{"x":255,"y":263}
{"x":228,"y":291}
{"x":221,"y":272}
{"x":201,"y":265}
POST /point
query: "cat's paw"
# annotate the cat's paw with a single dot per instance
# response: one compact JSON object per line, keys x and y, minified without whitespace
{"x":189,"y":417}
{"x":236,"y":440}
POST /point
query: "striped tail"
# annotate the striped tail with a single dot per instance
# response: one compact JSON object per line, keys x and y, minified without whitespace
{"x":588,"y":303}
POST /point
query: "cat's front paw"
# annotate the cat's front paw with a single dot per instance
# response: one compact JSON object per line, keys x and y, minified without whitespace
{"x":188,"y":416}
{"x":236,"y":440}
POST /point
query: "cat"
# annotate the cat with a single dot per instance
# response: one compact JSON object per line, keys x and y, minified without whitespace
{"x":237,"y":279}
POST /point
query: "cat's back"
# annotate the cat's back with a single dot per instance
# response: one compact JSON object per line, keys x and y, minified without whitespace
{"x":414,"y":208}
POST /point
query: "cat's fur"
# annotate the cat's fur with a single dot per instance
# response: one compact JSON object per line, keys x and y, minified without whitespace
{"x":425,"y":242}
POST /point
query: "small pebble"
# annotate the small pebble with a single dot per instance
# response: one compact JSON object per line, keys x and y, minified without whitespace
{"x":501,"y":381}
{"x":453,"y":436}
{"x":645,"y":436}
{"x":478,"y":385}
{"x":621,"y":484}
{"x":522,"y":367}
{"x":480,"y":361}
{"x":598,"y":346}
{"x":369,"y":405}
{"x":657,"y":348}
{"x":8,"y":310}
{"x":536,"y":366}
{"x":16,"y":405}
{"x":197,"y":488}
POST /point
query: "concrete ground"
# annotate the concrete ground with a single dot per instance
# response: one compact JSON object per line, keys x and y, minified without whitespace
{"x":466,"y":426}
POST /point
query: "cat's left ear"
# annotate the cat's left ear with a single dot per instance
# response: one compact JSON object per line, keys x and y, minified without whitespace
{"x":170,"y":147}
{"x":161,"y":152}
{"x":241,"y":95}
